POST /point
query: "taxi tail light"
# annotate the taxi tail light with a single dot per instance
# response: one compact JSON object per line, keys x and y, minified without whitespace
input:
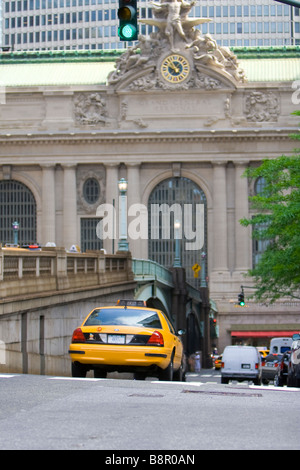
{"x":156,"y":339}
{"x":78,"y":336}
{"x":263,"y":363}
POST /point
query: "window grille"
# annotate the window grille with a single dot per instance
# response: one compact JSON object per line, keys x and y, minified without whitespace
{"x":89,"y":239}
{"x":91,"y":191}
{"x":180,"y":191}
{"x":17,"y":203}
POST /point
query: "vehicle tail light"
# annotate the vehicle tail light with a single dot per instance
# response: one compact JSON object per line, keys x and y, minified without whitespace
{"x":256,"y":365}
{"x":222,"y":365}
{"x":156,"y":339}
{"x":78,"y":336}
{"x":263,"y":363}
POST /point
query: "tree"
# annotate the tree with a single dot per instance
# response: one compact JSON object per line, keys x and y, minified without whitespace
{"x":277,"y":222}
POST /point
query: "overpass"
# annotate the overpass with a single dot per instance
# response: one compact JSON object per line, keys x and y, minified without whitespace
{"x":46,"y":294}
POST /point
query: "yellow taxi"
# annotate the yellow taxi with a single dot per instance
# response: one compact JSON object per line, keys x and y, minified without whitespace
{"x":128,"y":337}
{"x":218,"y":363}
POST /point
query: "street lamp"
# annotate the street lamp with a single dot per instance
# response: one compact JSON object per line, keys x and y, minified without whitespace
{"x":203,"y":277}
{"x":177,"y":260}
{"x":16,"y":227}
{"x":123,"y":243}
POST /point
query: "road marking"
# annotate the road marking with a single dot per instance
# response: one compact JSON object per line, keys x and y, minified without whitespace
{"x":276,"y":389}
{"x":85,"y":379}
{"x":6,"y":376}
{"x":195,"y":384}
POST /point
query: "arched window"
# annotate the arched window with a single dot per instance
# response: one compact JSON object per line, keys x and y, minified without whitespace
{"x":181,"y":200}
{"x":17,"y":203}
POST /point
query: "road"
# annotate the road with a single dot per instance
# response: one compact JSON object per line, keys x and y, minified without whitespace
{"x":43,"y":412}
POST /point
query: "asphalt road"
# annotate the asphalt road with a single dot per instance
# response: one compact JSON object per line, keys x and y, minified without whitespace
{"x":40,"y":412}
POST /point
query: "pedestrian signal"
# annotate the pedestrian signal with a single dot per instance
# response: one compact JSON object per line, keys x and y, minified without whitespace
{"x":127,"y":14}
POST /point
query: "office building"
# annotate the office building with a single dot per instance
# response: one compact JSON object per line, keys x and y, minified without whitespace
{"x":93,"y":24}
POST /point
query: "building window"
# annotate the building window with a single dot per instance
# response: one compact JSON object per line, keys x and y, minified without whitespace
{"x":258,"y":246}
{"x":178,"y":198}
{"x":259,"y":185}
{"x":89,"y":239}
{"x":91,"y":191}
{"x":17,"y":203}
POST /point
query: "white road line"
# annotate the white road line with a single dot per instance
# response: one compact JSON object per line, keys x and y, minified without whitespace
{"x":76,"y":378}
{"x":277,"y":389}
{"x":184,"y":384}
{"x":6,"y":376}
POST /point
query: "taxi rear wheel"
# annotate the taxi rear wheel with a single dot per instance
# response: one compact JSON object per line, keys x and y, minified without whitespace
{"x":167,"y":374}
{"x":78,"y":370}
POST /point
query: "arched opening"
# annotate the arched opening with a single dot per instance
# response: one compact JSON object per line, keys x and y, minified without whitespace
{"x":180,"y":200}
{"x":17,"y":203}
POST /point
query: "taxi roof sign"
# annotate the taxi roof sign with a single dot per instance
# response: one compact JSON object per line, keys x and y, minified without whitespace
{"x":131,"y":303}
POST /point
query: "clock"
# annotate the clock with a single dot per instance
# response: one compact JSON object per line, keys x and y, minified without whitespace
{"x":175,"y":68}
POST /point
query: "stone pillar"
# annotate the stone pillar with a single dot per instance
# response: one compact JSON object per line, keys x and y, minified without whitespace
{"x":242,"y":256}
{"x":112,"y":197}
{"x":139,"y":219}
{"x":220,"y":248}
{"x":70,"y":207}
{"x":48,"y":204}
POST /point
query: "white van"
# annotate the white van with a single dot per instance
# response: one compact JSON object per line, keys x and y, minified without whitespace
{"x":241,"y":363}
{"x":280,"y":345}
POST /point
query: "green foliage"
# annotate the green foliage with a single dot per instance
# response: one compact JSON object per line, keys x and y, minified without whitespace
{"x":277,"y":221}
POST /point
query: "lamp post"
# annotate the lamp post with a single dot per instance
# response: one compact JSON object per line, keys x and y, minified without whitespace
{"x":123,"y":243}
{"x":203,"y":277}
{"x":16,"y":227}
{"x":177,"y":259}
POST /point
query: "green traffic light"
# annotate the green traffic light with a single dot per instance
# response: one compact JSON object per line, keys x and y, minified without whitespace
{"x":128,"y":32}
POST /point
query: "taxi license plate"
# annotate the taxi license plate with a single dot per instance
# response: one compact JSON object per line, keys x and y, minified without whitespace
{"x":116,"y":339}
{"x":245,"y":366}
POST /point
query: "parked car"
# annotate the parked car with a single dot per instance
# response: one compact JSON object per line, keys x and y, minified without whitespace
{"x":280,"y":378}
{"x":127,"y":338}
{"x":263,"y":352}
{"x":294,"y":364}
{"x":241,"y":363}
{"x":269,"y":367}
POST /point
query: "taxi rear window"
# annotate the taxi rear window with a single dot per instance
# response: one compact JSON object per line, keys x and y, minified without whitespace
{"x":124,"y":317}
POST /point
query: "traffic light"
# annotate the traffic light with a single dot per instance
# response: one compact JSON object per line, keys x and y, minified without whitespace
{"x":127,"y":14}
{"x":241,"y":299}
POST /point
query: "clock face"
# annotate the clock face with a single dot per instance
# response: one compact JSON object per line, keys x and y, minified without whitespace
{"x":175,"y":68}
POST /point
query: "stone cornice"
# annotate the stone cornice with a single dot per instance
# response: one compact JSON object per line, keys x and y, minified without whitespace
{"x":130,"y":137}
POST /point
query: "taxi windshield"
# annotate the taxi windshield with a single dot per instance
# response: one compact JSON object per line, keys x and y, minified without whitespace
{"x":124,"y":317}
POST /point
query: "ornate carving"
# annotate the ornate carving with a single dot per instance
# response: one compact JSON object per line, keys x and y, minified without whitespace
{"x":90,"y":109}
{"x":261,"y":107}
{"x":212,"y":67}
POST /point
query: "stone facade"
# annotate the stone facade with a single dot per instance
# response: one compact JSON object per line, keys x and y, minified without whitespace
{"x":180,"y":106}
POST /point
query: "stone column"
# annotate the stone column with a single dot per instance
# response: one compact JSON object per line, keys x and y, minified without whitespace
{"x":242,"y":255}
{"x":112,"y":198}
{"x":48,"y":204}
{"x":220,"y":248}
{"x":138,"y":221}
{"x":70,"y":207}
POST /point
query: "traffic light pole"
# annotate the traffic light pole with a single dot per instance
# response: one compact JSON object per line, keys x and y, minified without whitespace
{"x":292,"y":3}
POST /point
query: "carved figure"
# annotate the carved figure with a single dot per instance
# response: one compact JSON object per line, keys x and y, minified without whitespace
{"x":90,"y":109}
{"x":171,"y":17}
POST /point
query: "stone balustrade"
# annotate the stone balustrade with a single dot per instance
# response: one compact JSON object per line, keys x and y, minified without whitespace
{"x":25,"y":272}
